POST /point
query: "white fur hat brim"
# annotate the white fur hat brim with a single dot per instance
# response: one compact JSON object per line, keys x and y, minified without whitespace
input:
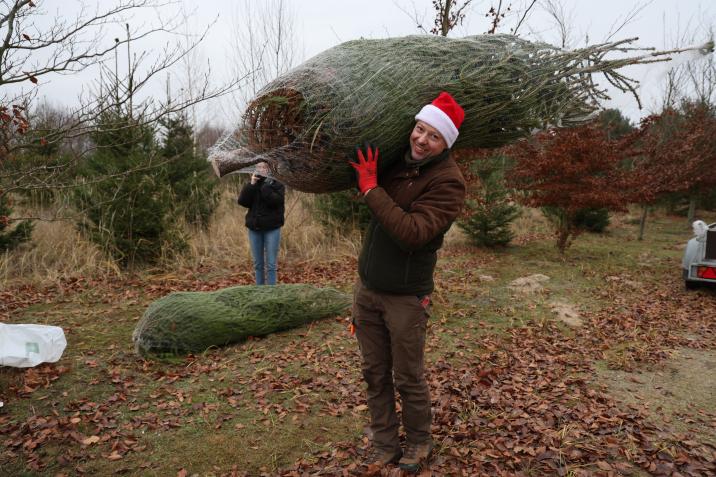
{"x":435,"y":117}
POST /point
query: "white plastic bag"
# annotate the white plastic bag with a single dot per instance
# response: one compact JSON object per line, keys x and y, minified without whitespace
{"x":25,"y":346}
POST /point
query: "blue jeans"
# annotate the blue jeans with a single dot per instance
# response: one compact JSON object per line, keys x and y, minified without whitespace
{"x":264,"y":249}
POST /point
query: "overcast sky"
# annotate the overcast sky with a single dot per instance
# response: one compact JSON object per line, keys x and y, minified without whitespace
{"x":320,"y":24}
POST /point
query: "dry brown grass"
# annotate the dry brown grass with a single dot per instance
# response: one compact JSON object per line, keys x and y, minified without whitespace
{"x":531,"y":222}
{"x":456,"y":238}
{"x":303,"y":238}
{"x":58,"y":251}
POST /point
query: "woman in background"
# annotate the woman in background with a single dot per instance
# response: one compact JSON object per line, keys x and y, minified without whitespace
{"x":264,"y":197}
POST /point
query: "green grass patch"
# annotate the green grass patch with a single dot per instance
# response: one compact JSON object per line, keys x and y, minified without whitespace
{"x":266,"y":403}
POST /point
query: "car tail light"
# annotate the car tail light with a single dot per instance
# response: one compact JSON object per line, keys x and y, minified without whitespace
{"x":706,"y":272}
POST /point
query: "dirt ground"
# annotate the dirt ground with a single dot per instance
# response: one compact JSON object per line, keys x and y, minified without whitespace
{"x":676,"y":393}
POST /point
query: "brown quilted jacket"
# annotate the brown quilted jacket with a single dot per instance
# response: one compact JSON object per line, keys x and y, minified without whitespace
{"x":412,"y":210}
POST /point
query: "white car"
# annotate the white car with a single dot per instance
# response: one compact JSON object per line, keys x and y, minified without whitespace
{"x":699,"y":263}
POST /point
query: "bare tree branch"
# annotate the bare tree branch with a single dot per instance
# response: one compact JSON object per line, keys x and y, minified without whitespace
{"x":515,"y":30}
{"x":628,"y":18}
{"x":556,"y":10}
{"x":495,"y":12}
{"x":418,"y":20}
{"x":73,"y":47}
{"x":264,"y":47}
{"x":66,"y":47}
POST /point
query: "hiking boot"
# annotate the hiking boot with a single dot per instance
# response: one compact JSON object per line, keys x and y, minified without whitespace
{"x":415,"y":456}
{"x":381,"y":457}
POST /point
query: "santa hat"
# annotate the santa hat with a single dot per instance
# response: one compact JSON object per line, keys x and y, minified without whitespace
{"x":445,"y":115}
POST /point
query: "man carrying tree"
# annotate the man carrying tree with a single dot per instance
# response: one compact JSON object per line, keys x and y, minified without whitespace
{"x":413,"y":205}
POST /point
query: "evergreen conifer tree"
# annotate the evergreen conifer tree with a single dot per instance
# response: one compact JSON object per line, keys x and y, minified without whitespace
{"x":342,"y":211}
{"x":488,"y":215}
{"x":11,"y":237}
{"x":129,"y":210}
{"x":194,"y":188}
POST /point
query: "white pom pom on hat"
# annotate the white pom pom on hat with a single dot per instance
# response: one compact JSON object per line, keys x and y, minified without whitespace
{"x":445,"y":115}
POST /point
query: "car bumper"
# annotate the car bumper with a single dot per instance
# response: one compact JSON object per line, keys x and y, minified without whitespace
{"x":691,"y":275}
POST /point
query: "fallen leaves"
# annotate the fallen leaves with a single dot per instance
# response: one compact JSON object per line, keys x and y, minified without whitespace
{"x":518,"y":403}
{"x":114,"y":456}
{"x":90,"y":440}
{"x":532,"y":409}
{"x":38,"y":377}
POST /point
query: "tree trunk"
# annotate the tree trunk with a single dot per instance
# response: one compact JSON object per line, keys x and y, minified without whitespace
{"x":692,"y":208}
{"x":642,"y":221}
{"x":563,"y":238}
{"x":445,"y":20}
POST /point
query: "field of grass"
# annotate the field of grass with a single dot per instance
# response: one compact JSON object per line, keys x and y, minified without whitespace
{"x":294,"y":401}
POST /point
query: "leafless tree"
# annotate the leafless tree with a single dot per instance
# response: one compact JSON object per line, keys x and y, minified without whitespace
{"x":194,"y":68}
{"x":523,"y":15}
{"x":622,"y":21}
{"x":207,"y":134}
{"x":690,"y":76}
{"x":417,"y":17}
{"x":701,"y":74}
{"x":263,"y":47}
{"x":32,"y":49}
{"x":562,"y":18}
{"x":448,"y":14}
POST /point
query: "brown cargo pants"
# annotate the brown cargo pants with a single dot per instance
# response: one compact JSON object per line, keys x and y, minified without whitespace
{"x":391,"y":337}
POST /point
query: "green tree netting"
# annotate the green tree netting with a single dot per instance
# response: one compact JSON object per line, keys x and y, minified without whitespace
{"x":191,"y":322}
{"x":306,"y":123}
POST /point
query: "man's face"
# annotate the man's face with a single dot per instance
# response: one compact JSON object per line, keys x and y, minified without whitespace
{"x":425,"y":141}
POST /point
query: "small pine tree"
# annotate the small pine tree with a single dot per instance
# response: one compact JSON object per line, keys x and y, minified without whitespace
{"x":614,"y":123}
{"x":11,"y":238}
{"x":592,"y":220}
{"x":13,"y":126}
{"x":487,"y":217}
{"x":342,"y":210}
{"x":195,"y":190}
{"x":127,"y":200}
{"x":43,"y":155}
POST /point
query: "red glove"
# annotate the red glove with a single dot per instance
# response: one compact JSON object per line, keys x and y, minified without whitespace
{"x":366,"y":170}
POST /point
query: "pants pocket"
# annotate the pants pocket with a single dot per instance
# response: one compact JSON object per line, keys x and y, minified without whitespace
{"x":425,"y":302}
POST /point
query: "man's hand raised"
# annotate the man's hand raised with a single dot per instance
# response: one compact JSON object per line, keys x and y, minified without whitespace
{"x":366,"y":169}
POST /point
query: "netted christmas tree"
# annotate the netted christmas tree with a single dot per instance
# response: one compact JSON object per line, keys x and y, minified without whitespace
{"x":186,"y":322}
{"x":306,"y":123}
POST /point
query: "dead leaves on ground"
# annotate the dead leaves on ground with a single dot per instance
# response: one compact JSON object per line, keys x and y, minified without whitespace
{"x":523,"y":404}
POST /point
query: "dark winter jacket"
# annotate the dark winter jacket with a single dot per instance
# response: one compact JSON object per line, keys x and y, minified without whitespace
{"x":413,"y":208}
{"x":265,"y":201}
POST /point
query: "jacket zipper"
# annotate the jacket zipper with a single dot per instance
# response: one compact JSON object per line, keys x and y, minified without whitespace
{"x":370,"y":251}
{"x":407,"y":268}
